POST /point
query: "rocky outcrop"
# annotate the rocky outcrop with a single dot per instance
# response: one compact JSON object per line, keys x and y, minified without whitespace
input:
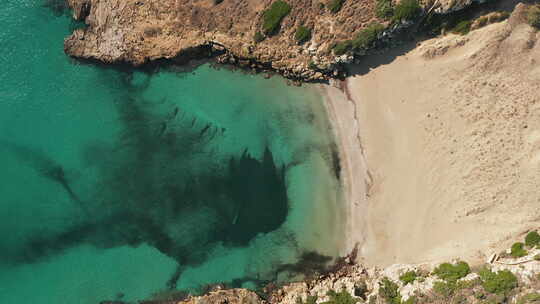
{"x":364,"y":284}
{"x":138,"y":32}
{"x":142,"y":31}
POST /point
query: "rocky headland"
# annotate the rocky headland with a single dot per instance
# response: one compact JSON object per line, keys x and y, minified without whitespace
{"x":234,"y":32}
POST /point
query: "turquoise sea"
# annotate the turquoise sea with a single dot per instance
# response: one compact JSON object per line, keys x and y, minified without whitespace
{"x":128,"y":185}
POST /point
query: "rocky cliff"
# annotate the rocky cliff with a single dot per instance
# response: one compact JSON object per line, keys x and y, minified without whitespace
{"x":142,"y":31}
{"x":503,"y":279}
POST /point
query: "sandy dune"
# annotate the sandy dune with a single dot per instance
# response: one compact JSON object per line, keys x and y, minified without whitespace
{"x":451,"y":139}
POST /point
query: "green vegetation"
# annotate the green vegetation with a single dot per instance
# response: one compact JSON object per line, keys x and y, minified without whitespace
{"x":384,"y":9}
{"x":360,"y":289}
{"x":312,"y":65}
{"x":517,"y":250}
{"x":501,"y":282}
{"x":366,"y":37}
{"x":446,"y":289}
{"x":452,"y":273}
{"x":462,"y":27}
{"x":309,"y":300}
{"x":529,"y":298}
{"x":408,"y":277}
{"x":537,"y":257}
{"x":302,"y":34}
{"x":343,"y":47}
{"x":411,"y":300}
{"x":272,"y":17}
{"x":491,"y":18}
{"x":342,"y":297}
{"x":389,"y":291}
{"x":533,"y":16}
{"x":258,"y":37}
{"x":406,"y":10}
{"x":532,"y":239}
{"x":335,"y":5}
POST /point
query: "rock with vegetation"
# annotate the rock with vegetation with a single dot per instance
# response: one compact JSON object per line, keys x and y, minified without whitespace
{"x":261,"y":35}
{"x":302,"y":34}
{"x":518,"y":250}
{"x":532,"y":239}
{"x":273,"y":16}
{"x":533,"y":16}
{"x":407,"y":10}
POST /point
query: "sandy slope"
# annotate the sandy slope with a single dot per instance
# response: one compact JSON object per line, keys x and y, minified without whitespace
{"x":451,"y":137}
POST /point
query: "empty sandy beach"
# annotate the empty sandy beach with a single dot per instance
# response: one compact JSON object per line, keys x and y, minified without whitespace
{"x":440,"y":144}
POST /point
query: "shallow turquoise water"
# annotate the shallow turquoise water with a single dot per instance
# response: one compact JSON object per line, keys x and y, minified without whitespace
{"x":112,"y":181}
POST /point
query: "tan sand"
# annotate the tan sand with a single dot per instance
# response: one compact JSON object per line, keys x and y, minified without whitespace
{"x":342,"y":114}
{"x":451,"y":138}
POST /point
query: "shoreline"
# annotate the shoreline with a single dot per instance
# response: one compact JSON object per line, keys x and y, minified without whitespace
{"x":341,"y":110}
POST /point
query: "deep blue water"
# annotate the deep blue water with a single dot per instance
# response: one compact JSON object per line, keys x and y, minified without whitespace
{"x":130,"y":185}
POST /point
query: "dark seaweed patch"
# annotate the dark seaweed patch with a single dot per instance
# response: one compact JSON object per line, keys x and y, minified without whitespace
{"x":160,"y":184}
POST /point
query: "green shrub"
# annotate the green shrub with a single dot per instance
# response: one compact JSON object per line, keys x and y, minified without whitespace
{"x":312,"y":65}
{"x":335,"y":5}
{"x":408,"y":277}
{"x":360,"y":289}
{"x":342,"y":47}
{"x":384,"y":9}
{"x":272,"y":17}
{"x":449,"y":288}
{"x":537,"y":257}
{"x":462,"y":28}
{"x":309,"y":300}
{"x":501,"y":282}
{"x":258,"y":37}
{"x":517,"y":250}
{"x":532,"y":239}
{"x":452,"y":273}
{"x":406,"y":10}
{"x":411,"y":300}
{"x":366,"y":37}
{"x":302,"y":34}
{"x":529,"y":298}
{"x":343,"y":297}
{"x":446,"y":289}
{"x":533,"y":16}
{"x":389,"y":291}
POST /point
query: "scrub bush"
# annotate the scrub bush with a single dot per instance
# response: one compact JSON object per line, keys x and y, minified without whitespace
{"x":532,"y":239}
{"x":258,"y":37}
{"x":501,"y":282}
{"x":408,"y":277}
{"x":342,"y":47}
{"x":384,"y":9}
{"x":462,"y":27}
{"x":343,"y":297}
{"x":533,"y":16}
{"x":517,"y":250}
{"x":406,"y":10}
{"x":529,"y":298}
{"x":389,"y":291}
{"x":452,"y":273}
{"x":309,"y":300}
{"x":302,"y":34}
{"x":272,"y":17}
{"x":366,"y":37}
{"x":335,"y":5}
